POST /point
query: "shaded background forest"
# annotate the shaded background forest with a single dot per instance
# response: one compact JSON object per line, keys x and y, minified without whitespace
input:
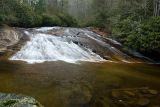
{"x":135,"y":23}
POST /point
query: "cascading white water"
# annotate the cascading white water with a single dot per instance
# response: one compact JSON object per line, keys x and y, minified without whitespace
{"x":45,"y":47}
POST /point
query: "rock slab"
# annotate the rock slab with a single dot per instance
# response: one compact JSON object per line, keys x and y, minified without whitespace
{"x":14,"y":100}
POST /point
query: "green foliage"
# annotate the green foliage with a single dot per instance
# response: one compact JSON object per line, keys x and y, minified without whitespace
{"x":51,"y":21}
{"x":102,"y":14}
{"x":147,"y":37}
{"x":142,"y":36}
{"x":59,"y":20}
{"x":40,"y":7}
{"x":37,"y":21}
{"x":31,"y":14}
{"x":131,"y":22}
{"x":67,"y":20}
{"x":149,"y":7}
{"x":15,"y":13}
{"x":2,"y":18}
{"x":124,"y":28}
{"x":9,"y":103}
{"x":101,"y":19}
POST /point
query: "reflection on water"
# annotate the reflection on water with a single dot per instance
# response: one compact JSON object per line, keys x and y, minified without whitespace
{"x":60,"y":84}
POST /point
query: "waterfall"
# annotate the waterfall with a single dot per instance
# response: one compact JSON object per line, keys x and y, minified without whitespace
{"x":45,"y":47}
{"x":71,"y":45}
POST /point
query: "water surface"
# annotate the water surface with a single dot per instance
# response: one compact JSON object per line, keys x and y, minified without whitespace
{"x":60,"y":84}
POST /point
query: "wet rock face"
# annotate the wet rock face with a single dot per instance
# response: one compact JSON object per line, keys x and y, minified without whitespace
{"x":8,"y":37}
{"x":11,"y":39}
{"x":107,"y":48}
{"x":13,"y":100}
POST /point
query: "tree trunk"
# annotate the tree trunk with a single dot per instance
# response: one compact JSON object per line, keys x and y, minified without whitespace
{"x":157,"y":8}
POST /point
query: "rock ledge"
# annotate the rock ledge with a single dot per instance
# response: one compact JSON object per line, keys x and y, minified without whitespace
{"x":14,"y":100}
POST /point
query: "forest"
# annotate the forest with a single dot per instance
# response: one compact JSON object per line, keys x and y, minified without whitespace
{"x":135,"y":23}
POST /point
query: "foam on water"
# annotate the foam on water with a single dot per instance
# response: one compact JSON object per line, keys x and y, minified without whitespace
{"x":43,"y":29}
{"x":45,"y":47}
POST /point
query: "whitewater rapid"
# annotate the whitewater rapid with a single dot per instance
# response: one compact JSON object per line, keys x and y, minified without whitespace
{"x":45,"y":47}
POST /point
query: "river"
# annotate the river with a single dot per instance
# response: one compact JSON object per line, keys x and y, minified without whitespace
{"x":79,"y":74}
{"x":60,"y":84}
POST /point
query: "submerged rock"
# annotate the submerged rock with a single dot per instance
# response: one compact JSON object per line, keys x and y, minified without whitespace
{"x":80,"y":96}
{"x":154,"y":92}
{"x":143,"y":102}
{"x":136,"y":97}
{"x":13,"y":100}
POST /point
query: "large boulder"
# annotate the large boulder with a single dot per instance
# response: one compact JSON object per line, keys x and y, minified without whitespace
{"x":8,"y":37}
{"x":11,"y":40}
{"x":13,"y":100}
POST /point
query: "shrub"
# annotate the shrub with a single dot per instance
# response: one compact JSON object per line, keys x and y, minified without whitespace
{"x":124,"y":28}
{"x":50,"y":20}
{"x":147,"y":38}
{"x":2,"y":18}
{"x":67,"y":20}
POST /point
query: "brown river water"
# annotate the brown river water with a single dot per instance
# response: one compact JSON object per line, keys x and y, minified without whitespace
{"x":60,"y":84}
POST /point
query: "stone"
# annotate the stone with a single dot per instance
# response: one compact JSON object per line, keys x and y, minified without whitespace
{"x":154,"y":92}
{"x":143,"y":102}
{"x":106,"y":57}
{"x":115,"y":94}
{"x":154,"y":106}
{"x":14,"y":100}
{"x":80,"y":96}
{"x":75,"y":42}
{"x":10,"y":38}
{"x":130,"y":93}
